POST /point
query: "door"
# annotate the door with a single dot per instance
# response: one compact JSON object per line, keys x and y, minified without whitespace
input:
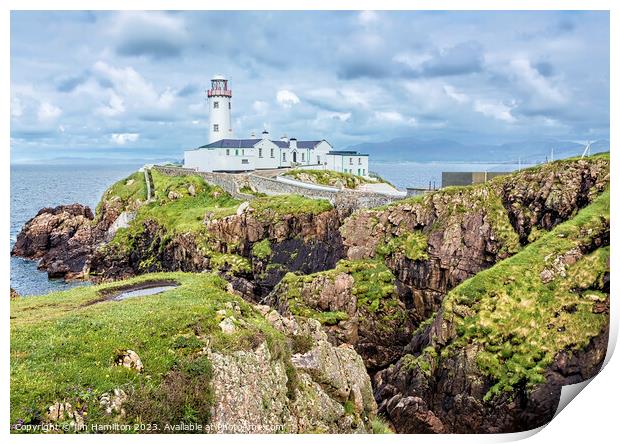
{"x":294,"y":156}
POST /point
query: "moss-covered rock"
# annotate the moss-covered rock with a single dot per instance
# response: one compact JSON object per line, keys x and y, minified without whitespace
{"x":358,"y":304}
{"x":507,"y":339}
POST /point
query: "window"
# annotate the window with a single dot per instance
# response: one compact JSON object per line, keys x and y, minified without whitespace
{"x":283,"y":157}
{"x":228,"y":151}
{"x":359,"y":172}
{"x":303,"y":157}
{"x":272,"y":153}
{"x":243,"y":152}
{"x":350,"y":160}
{"x":260,"y":152}
{"x":228,"y":105}
{"x":359,"y":160}
{"x":236,"y":152}
{"x":216,"y":128}
{"x":216,"y":105}
{"x":244,"y":161}
{"x":318,"y":159}
{"x":363,"y":171}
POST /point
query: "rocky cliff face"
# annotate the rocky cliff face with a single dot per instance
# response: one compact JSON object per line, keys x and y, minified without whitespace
{"x":61,"y":239}
{"x":470,"y":306}
{"x":435,"y":242}
{"x":495,"y":356}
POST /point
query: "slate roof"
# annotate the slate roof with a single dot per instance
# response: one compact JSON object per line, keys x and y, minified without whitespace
{"x":249,"y":143}
{"x":232,"y":143}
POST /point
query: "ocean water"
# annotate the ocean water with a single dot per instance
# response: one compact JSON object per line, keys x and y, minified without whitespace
{"x":37,"y":186}
{"x":405,"y":174}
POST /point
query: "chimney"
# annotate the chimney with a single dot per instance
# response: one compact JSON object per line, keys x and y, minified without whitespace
{"x":284,"y":138}
{"x":265,"y":134}
{"x":292,"y":143}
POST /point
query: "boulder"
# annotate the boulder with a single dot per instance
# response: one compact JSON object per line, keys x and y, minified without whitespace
{"x":130,"y":359}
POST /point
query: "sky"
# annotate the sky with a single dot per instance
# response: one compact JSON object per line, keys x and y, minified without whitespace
{"x":130,"y":85}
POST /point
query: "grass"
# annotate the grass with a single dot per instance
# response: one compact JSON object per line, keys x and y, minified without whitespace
{"x":380,"y":427}
{"x":272,"y":208}
{"x":262,"y":249}
{"x":183,"y":213}
{"x":128,"y":192}
{"x":330,"y":178}
{"x":413,"y":245}
{"x":521,"y":323}
{"x":373,"y":286}
{"x":63,"y":345}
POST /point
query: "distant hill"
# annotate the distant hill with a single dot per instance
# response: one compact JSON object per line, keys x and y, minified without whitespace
{"x":410,"y":148}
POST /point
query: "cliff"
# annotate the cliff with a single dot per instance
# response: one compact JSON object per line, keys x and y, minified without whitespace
{"x":469,"y":307}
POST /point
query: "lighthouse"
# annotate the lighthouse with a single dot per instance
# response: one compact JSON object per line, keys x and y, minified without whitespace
{"x":219,"y":100}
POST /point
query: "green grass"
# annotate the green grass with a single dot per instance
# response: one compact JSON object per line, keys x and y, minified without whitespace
{"x":272,"y":208}
{"x":128,"y":191}
{"x":413,"y":245}
{"x":63,"y":345}
{"x":328,"y":177}
{"x":373,"y":286}
{"x":380,"y":427}
{"x":521,"y":323}
{"x":262,"y":249}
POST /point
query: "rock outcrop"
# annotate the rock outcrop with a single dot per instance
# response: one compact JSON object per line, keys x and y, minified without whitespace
{"x":326,"y":389}
{"x":358,"y":304}
{"x":61,"y":239}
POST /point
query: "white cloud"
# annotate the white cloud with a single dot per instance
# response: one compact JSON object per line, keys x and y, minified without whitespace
{"x":131,"y":87}
{"x":495,"y":110}
{"x":394,"y":117}
{"x":367,"y":17}
{"x":287,"y":98}
{"x":455,"y":95}
{"x":48,"y":112}
{"x":342,"y":117}
{"x":123,"y":138}
{"x":532,"y":81}
{"x":114,"y":107}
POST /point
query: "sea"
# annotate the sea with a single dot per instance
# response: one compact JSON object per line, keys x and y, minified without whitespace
{"x":35,"y":186}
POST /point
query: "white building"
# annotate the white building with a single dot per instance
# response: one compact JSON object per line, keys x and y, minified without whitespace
{"x":225,"y":153}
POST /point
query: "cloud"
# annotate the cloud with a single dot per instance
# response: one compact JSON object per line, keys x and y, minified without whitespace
{"x":16,"y":107}
{"x":532,"y":81}
{"x":464,"y":58}
{"x":286,"y":98}
{"x":495,"y":110}
{"x":114,"y":107}
{"x":69,"y":83}
{"x":154,"y":34}
{"x":188,"y":90}
{"x":48,"y":112}
{"x":123,"y":138}
{"x":455,"y":95}
{"x":367,"y":17}
{"x":129,"y":87}
{"x":260,"y":107}
{"x":394,"y":117}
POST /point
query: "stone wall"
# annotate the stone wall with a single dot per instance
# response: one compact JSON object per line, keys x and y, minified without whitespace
{"x":342,"y":199}
{"x":231,"y":183}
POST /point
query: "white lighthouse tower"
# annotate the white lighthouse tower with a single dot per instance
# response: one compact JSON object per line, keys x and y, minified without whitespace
{"x":219,"y":99}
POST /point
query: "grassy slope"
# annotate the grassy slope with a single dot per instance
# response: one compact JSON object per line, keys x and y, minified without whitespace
{"x":330,"y":178}
{"x":61,"y":348}
{"x":522,"y":323}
